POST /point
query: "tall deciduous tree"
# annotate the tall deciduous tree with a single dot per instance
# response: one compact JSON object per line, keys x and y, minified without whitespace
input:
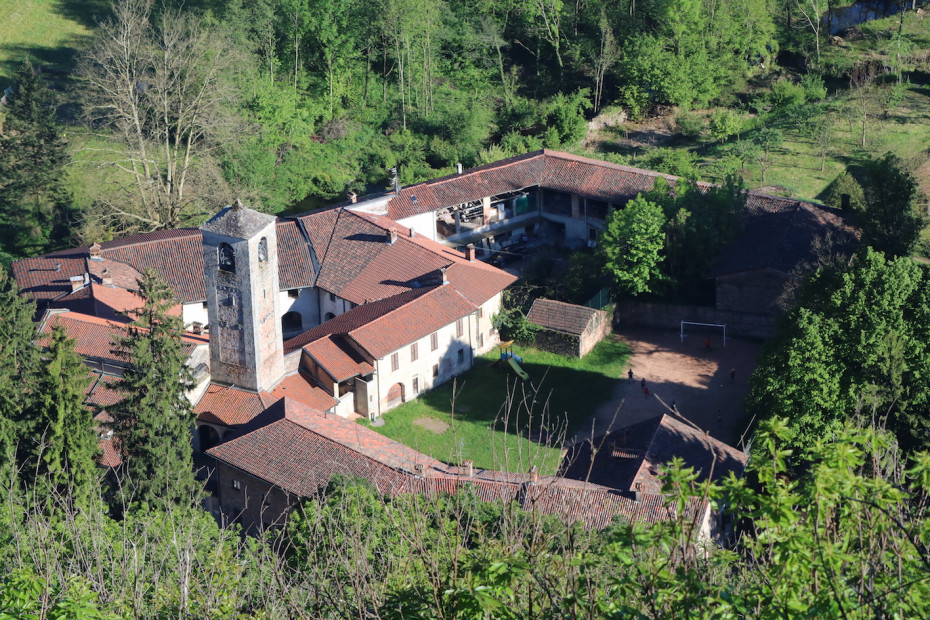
{"x":64,"y":451}
{"x":632,"y":245}
{"x":155,"y":420}
{"x":157,"y":85}
{"x":33,"y":204}
{"x":891,"y":222}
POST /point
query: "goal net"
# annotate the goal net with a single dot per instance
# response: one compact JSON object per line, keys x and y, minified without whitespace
{"x":703,"y":328}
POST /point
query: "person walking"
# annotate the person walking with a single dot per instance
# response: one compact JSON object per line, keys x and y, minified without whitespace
{"x":630,"y":375}
{"x":646,"y":392}
{"x":642,"y":383}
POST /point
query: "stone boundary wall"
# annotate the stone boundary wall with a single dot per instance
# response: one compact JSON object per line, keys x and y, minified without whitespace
{"x":669,"y":316}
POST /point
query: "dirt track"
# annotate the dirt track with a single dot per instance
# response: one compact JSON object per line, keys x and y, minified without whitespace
{"x":679,"y":372}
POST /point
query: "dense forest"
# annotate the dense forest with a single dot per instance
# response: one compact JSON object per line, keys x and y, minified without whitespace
{"x":163,"y":111}
{"x":168,"y":109}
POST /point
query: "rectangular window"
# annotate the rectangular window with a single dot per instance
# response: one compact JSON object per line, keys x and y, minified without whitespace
{"x":461,"y":355}
{"x":435,"y":370}
{"x":294,"y":293}
{"x":416,"y":385}
{"x":480,"y":339}
{"x":395,"y":362}
{"x":434,"y":341}
{"x":332,"y":297}
{"x":413,"y":352}
{"x":236,"y":485}
{"x":459,"y":328}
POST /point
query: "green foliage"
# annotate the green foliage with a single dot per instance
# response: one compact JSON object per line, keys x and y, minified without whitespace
{"x":63,"y":447}
{"x":891,"y":222}
{"x":155,"y":419}
{"x":34,"y":207}
{"x":786,"y":94}
{"x":846,"y":193}
{"x":512,"y":324}
{"x":26,"y":596}
{"x":632,"y":243}
{"x":814,"y":88}
{"x":725,"y":123}
{"x":19,"y":361}
{"x":857,"y":342}
{"x":678,"y":162}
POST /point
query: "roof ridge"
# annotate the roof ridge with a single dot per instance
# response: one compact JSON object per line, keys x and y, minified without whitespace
{"x":123,"y":242}
{"x":427,"y":291}
{"x":501,"y":163}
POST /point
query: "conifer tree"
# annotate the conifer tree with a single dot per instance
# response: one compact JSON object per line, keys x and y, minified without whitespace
{"x":155,"y":419}
{"x":18,"y":360}
{"x":64,"y":450}
{"x":33,"y":204}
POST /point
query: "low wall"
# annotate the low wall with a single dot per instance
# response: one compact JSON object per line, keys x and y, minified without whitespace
{"x":559,"y":343}
{"x":669,"y":316}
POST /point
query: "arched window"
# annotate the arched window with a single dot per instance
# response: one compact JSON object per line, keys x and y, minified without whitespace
{"x":227,"y":258}
{"x":329,"y":316}
{"x":263,"y":250}
{"x":291,"y":323}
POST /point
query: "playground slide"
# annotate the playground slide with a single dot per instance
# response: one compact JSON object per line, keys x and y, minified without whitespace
{"x":516,"y":368}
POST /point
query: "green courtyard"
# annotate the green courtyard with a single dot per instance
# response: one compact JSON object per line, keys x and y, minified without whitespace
{"x":492,"y":417}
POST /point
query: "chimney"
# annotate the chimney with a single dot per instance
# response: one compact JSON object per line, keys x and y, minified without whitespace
{"x":637,"y":492}
{"x":459,"y":168}
{"x":395,"y":180}
{"x":105,"y":278}
{"x":445,"y":278}
{"x":418,"y":470}
{"x":197,"y":327}
{"x":95,"y":252}
{"x":534,"y":475}
{"x":470,"y":251}
{"x":391,"y":236}
{"x":468,"y":469}
{"x":412,"y":234}
{"x":57,"y":267}
{"x":76,"y":282}
{"x":353,"y":197}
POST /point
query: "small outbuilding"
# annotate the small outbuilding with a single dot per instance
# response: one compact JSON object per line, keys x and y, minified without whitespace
{"x":568,"y":329}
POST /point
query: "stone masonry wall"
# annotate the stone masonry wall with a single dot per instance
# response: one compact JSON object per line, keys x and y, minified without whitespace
{"x":669,"y":316}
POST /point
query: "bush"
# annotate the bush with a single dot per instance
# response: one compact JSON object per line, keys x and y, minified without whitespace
{"x":513,"y":325}
{"x":690,"y":124}
{"x":725,"y":123}
{"x":786,"y":94}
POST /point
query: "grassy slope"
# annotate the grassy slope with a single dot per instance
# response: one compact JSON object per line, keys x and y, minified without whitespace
{"x":48,"y":32}
{"x":487,"y":426}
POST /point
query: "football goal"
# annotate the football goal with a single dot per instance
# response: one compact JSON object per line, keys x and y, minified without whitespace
{"x":684,"y":333}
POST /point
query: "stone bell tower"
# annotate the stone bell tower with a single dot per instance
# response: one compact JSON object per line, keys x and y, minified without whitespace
{"x":240,"y":261}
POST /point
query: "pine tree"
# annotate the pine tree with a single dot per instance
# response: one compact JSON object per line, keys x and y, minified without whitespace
{"x":155,"y":420}
{"x":34,"y":207}
{"x":64,"y":451}
{"x":18,"y":360}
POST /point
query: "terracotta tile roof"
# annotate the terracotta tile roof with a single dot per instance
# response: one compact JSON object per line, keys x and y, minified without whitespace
{"x":92,"y":337}
{"x":778,"y":234}
{"x":230,"y":406}
{"x":560,"y":316}
{"x":177,"y":255}
{"x":295,"y":268}
{"x":299,"y":449}
{"x":110,"y":453}
{"x":420,"y":317}
{"x":96,"y":337}
{"x":358,"y":264}
{"x":338,"y":358}
{"x":635,"y":455}
{"x":101,"y":394}
{"x":304,"y":390}
{"x":103,"y":391}
{"x":353,"y":319}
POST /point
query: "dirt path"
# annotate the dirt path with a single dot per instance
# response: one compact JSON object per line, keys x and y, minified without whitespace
{"x":679,"y":372}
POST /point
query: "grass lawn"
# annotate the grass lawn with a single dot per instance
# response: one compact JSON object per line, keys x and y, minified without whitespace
{"x":493,"y":408}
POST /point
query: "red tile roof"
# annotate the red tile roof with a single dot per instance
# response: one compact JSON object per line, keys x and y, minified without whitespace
{"x":338,"y":358}
{"x":304,"y":390}
{"x":295,"y":268}
{"x":230,"y":406}
{"x":560,"y":316}
{"x":177,"y":255}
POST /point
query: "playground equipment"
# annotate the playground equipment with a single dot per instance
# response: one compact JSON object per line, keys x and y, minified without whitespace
{"x":513,"y":360}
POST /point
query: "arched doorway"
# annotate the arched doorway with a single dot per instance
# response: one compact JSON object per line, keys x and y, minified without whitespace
{"x":209,"y":437}
{"x":328,"y":316}
{"x":292,"y":323}
{"x":395,"y":395}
